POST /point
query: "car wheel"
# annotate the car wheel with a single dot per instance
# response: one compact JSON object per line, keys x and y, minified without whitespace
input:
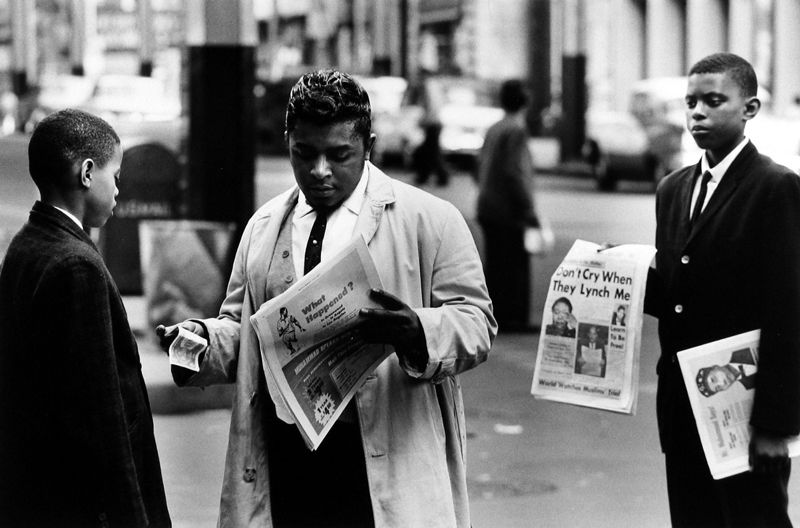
{"x":603,"y":176}
{"x":657,"y":171}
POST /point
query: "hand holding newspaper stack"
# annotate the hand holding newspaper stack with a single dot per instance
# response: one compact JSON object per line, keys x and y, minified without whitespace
{"x":310,"y":339}
{"x":722,"y":411}
{"x":589,"y":349}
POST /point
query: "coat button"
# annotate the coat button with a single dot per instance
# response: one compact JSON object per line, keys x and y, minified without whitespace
{"x":685,"y":259}
{"x":678,"y":308}
{"x":285,"y":253}
{"x":288,"y":279}
{"x":249,"y":474}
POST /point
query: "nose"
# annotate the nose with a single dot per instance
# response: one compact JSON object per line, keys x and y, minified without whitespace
{"x":321,"y":167}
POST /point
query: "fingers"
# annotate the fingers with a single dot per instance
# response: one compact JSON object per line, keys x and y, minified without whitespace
{"x":386,"y":299}
{"x":166,"y":335}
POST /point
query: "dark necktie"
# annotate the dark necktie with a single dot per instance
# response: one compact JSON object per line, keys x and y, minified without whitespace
{"x":314,"y":244}
{"x":701,"y":198}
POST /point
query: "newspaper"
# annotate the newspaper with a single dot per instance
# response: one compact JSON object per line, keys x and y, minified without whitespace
{"x":310,"y":339}
{"x":588,"y":351}
{"x":720,"y":380}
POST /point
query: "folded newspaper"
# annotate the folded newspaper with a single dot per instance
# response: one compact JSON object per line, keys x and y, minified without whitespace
{"x":310,"y":338}
{"x":720,"y":378}
{"x":588,"y":351}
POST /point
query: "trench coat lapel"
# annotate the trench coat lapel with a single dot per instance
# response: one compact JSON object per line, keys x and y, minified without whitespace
{"x":264,"y":238}
{"x":379,"y":194}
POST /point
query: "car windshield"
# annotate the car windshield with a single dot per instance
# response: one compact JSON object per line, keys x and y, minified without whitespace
{"x":463,"y":92}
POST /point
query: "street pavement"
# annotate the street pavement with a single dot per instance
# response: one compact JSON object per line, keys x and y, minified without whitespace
{"x":531,"y":463}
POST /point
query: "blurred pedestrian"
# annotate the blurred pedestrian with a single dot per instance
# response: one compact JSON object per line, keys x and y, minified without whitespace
{"x":506,"y":210}
{"x":395,"y":458}
{"x":76,"y":433}
{"x":728,"y":261}
{"x":427,"y":158}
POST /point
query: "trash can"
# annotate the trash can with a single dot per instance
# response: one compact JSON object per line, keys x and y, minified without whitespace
{"x":184,"y":268}
{"x":149,"y":188}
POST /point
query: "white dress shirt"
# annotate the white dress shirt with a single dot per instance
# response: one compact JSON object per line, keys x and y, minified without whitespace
{"x":339,"y":230}
{"x":717,"y":172}
{"x":71,"y":216}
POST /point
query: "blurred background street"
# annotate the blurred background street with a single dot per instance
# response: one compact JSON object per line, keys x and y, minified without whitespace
{"x":530,"y":462}
{"x":197,"y":91}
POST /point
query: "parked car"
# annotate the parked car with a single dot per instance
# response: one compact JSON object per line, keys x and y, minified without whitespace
{"x":54,"y":92}
{"x":140,"y":109}
{"x":642,"y":143}
{"x":386,"y":95}
{"x":650,"y":140}
{"x":465,"y":107}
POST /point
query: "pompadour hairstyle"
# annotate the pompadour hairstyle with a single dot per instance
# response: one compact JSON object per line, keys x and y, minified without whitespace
{"x":739,"y":69}
{"x":329,"y":96}
{"x":66,"y":138}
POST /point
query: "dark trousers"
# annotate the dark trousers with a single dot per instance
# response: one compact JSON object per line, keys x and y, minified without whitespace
{"x":508,"y":274}
{"x":746,"y":500}
{"x":428,"y":159}
{"x":323,"y":488}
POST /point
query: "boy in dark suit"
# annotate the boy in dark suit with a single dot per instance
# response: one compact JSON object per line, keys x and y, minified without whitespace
{"x":76,"y":432}
{"x":728,"y":261}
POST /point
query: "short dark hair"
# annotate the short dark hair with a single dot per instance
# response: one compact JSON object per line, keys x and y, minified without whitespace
{"x":562,"y":300}
{"x":65,"y":138}
{"x":513,"y":95}
{"x":739,"y":69}
{"x":329,"y":96}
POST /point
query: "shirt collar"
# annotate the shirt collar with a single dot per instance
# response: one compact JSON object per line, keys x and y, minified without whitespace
{"x":70,"y":216}
{"x":719,"y":170}
{"x":352,"y":203}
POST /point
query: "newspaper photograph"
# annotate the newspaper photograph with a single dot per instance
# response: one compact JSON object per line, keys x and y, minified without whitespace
{"x":588,"y":351}
{"x":310,"y":340}
{"x":720,"y":380}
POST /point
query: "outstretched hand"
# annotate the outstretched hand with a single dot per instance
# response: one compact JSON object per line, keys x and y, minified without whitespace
{"x":167,"y":334}
{"x":395,"y":324}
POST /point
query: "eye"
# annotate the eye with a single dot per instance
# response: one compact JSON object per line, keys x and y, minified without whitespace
{"x":691,"y":103}
{"x":340,"y":156}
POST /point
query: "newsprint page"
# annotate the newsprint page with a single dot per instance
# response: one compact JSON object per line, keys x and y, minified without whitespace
{"x":310,"y":339}
{"x":720,"y":380}
{"x":592,"y":324}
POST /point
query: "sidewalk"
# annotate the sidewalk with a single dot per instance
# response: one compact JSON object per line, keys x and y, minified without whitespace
{"x":165,"y":396}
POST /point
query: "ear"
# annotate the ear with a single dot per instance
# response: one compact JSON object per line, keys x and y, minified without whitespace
{"x":87,"y":166}
{"x":370,"y":145}
{"x":751,"y":108}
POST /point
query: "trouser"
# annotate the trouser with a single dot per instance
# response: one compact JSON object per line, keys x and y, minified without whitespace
{"x":746,"y":500}
{"x":327,"y":487}
{"x":508,"y":274}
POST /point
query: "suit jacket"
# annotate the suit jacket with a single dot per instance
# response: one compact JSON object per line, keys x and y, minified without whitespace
{"x":505,"y":175}
{"x":736,"y":269}
{"x":412,"y":423}
{"x":76,"y":432}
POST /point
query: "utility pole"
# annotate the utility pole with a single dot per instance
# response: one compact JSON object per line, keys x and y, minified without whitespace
{"x":147,"y":38}
{"x":221,"y":41}
{"x":539,"y":62}
{"x":23,"y":24}
{"x":573,"y":76}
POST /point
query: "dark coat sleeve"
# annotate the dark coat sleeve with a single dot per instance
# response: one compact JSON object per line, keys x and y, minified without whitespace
{"x":93,"y":414}
{"x":777,"y":399}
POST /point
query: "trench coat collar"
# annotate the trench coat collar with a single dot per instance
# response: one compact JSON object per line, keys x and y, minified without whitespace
{"x":267,"y":225}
